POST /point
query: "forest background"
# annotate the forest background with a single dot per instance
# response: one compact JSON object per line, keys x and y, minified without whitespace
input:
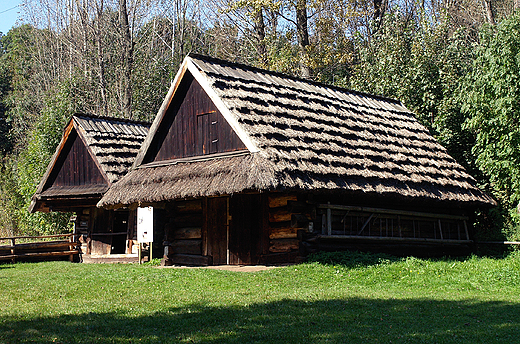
{"x":455,"y":63}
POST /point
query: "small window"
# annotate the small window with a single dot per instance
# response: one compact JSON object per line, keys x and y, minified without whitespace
{"x":208,"y":133}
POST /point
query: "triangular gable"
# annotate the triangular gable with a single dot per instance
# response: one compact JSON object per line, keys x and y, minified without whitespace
{"x":192,"y":121}
{"x":73,"y":166}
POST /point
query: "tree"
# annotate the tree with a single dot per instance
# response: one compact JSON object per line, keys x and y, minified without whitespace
{"x":491,"y":100}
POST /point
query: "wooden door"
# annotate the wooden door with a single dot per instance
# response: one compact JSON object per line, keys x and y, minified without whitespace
{"x":101,"y":239}
{"x":246,"y":229}
{"x":216,"y":229}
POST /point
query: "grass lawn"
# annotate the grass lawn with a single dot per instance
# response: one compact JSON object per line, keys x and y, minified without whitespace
{"x":365,"y":299}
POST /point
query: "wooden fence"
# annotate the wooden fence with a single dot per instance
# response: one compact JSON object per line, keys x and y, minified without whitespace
{"x":14,"y":250}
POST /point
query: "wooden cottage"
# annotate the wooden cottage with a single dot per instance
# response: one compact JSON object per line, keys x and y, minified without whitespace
{"x":249,"y":166}
{"x":94,"y":153}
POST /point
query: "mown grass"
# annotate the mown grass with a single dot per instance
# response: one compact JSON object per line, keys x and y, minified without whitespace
{"x":349,"y":298}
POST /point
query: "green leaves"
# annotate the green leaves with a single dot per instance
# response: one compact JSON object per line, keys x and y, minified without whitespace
{"x":491,"y":102}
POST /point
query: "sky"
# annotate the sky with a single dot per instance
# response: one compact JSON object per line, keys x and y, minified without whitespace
{"x":9,"y":12}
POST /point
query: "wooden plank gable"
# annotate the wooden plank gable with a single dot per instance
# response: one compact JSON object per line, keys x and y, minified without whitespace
{"x":192,"y":126}
{"x":74,"y":168}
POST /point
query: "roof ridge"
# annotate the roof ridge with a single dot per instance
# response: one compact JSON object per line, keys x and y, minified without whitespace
{"x":283,"y":75}
{"x":108,"y":118}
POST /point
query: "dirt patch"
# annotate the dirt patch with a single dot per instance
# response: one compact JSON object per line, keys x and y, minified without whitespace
{"x":238,"y":268}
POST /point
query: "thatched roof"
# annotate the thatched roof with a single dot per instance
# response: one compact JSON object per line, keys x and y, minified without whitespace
{"x":300,"y":135}
{"x":114,"y":142}
{"x":111,"y":143}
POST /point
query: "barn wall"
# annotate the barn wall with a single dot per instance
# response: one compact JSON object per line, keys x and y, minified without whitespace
{"x":286,"y":227}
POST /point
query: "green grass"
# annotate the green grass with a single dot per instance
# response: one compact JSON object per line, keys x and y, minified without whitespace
{"x":349,"y":298}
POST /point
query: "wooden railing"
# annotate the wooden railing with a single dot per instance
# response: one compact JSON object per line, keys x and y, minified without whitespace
{"x":37,"y":249}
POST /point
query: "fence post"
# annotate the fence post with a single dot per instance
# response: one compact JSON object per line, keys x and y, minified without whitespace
{"x":13,"y":243}
{"x":71,"y":247}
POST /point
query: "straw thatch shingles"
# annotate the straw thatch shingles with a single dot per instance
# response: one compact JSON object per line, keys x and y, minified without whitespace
{"x":114,"y":142}
{"x":305,"y":136}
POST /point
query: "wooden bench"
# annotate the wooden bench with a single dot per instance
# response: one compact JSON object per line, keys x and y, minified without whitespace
{"x":38,"y":249}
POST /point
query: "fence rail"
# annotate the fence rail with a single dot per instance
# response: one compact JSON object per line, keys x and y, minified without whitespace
{"x":38,"y":249}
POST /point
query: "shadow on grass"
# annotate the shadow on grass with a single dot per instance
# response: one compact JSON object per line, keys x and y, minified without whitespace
{"x":335,"y":321}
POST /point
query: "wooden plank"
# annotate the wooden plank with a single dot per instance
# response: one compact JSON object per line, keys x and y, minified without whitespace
{"x":39,"y":236}
{"x":264,"y":237}
{"x":188,"y":206}
{"x":40,"y":254}
{"x":279,"y":258}
{"x":283,"y":233}
{"x":284,"y":245}
{"x":499,"y":242}
{"x":43,"y":245}
{"x":188,"y":259}
{"x":108,"y":234}
{"x":187,"y":233}
{"x":187,"y":247}
{"x":188,"y":220}
{"x":280,"y":200}
{"x":217,"y":229}
{"x":392,"y":211}
{"x":329,"y":221}
{"x":281,"y":215}
{"x":401,"y":239}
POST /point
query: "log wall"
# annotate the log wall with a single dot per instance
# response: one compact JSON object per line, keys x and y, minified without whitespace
{"x":183,"y":233}
{"x":288,"y":213}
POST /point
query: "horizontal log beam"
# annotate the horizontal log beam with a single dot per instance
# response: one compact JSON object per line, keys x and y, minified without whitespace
{"x":392,"y":212}
{"x":188,"y":206}
{"x":39,"y":254}
{"x":276,"y":201}
{"x":188,"y":259}
{"x":498,"y":242}
{"x":279,"y":216}
{"x":283,"y":245}
{"x":378,"y":238}
{"x":39,"y":245}
{"x":39,"y":236}
{"x":187,"y":233}
{"x":283,"y":233}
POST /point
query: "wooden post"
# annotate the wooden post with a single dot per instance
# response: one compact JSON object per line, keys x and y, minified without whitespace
{"x":329,"y":220}
{"x":228,"y":217}
{"x":466,"y":229}
{"x":440,"y":229}
{"x":13,"y":244}
{"x":150,"y":245}
{"x":139,"y":252}
{"x":71,"y":246}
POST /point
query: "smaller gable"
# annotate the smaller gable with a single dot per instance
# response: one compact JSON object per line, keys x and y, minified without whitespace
{"x":191,"y":126}
{"x":75,"y":170}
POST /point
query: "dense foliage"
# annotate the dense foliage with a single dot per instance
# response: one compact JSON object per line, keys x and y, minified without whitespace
{"x":455,"y":65}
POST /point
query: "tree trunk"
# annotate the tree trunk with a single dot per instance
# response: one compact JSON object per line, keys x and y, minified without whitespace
{"x":260,"y":36}
{"x":488,"y":9}
{"x":302,"y":33}
{"x":379,"y":12}
{"x":128,"y":59}
{"x":101,"y":61}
